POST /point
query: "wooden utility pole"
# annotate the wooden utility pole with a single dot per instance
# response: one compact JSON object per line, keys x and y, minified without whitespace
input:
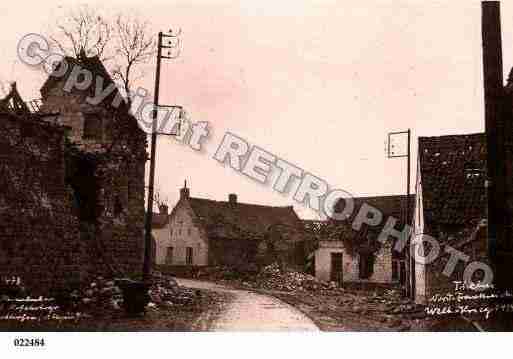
{"x":408,"y":222}
{"x":493,"y":100}
{"x":409,"y":259}
{"x":153,"y":151}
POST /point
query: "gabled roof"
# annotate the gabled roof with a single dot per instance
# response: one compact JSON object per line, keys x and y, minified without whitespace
{"x":242,"y":220}
{"x":389,"y":205}
{"x":97,"y":69}
{"x":452,"y":175}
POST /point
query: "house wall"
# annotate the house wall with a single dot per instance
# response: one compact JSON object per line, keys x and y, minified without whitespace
{"x":382,"y":264}
{"x":323,"y":260}
{"x":420,"y":277}
{"x":232,"y":252}
{"x":418,"y":233}
{"x":185,"y":233}
{"x":163,"y":239}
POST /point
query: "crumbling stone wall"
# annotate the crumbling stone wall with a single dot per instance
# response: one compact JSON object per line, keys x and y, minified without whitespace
{"x":72,"y":206}
{"x":439,"y":283}
{"x":118,"y":156}
{"x":116,"y":147}
{"x":120,"y":225}
{"x":39,"y":232}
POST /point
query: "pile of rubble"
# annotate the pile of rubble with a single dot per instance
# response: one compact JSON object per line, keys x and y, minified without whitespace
{"x":272,"y":277}
{"x":104,"y":295}
{"x":165,"y":291}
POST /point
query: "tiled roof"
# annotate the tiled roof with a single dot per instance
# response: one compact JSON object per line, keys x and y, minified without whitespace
{"x":241,"y":220}
{"x":452,"y":175}
{"x":390,"y":206}
{"x":365,"y":238}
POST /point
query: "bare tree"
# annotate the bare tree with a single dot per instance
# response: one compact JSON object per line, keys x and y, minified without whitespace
{"x":134,"y":46}
{"x":123,"y":42}
{"x":82,"y":29}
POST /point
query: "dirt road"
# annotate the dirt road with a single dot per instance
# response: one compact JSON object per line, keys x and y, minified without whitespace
{"x":249,"y":311}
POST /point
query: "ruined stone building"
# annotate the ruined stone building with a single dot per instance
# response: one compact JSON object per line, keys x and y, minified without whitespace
{"x":346,"y":255}
{"x":205,"y":232}
{"x":72,"y":183}
{"x":450,"y":207}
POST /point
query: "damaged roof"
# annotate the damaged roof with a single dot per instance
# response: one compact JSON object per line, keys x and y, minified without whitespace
{"x":452,"y":170}
{"x":96,"y":68}
{"x":242,"y":220}
{"x":317,"y":228}
{"x":364,"y":239}
{"x":13,"y":103}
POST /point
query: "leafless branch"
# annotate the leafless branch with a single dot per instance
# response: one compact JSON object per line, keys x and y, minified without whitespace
{"x":135,"y":45}
{"x":83,"y":29}
{"x":126,"y":42}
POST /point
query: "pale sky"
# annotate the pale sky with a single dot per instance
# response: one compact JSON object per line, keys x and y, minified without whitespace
{"x":317,"y":83}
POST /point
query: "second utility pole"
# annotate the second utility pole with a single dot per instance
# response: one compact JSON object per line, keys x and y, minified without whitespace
{"x":149,"y":211}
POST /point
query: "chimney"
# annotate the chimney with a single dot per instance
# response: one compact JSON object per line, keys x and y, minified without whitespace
{"x":163,"y":209}
{"x":232,"y":198}
{"x":184,"y":192}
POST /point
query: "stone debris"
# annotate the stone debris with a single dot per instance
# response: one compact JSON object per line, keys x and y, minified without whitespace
{"x":272,"y":277}
{"x":103,"y":295}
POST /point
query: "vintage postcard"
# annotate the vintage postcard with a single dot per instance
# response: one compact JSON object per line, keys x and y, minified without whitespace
{"x":239,"y":166}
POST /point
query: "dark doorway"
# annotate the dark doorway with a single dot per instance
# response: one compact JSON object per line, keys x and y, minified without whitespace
{"x":82,"y":180}
{"x":336,"y":274}
{"x":366,"y":265}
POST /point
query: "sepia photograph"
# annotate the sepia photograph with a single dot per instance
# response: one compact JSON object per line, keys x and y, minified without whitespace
{"x":334,"y":170}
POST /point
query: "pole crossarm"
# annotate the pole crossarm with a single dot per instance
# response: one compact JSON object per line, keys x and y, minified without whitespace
{"x":390,"y":152}
{"x":180,"y":116}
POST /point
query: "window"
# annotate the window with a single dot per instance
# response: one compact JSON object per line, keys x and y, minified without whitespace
{"x":366,"y":265}
{"x":169,"y":255}
{"x":188,"y":255}
{"x":189,"y":231}
{"x":92,"y":127}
